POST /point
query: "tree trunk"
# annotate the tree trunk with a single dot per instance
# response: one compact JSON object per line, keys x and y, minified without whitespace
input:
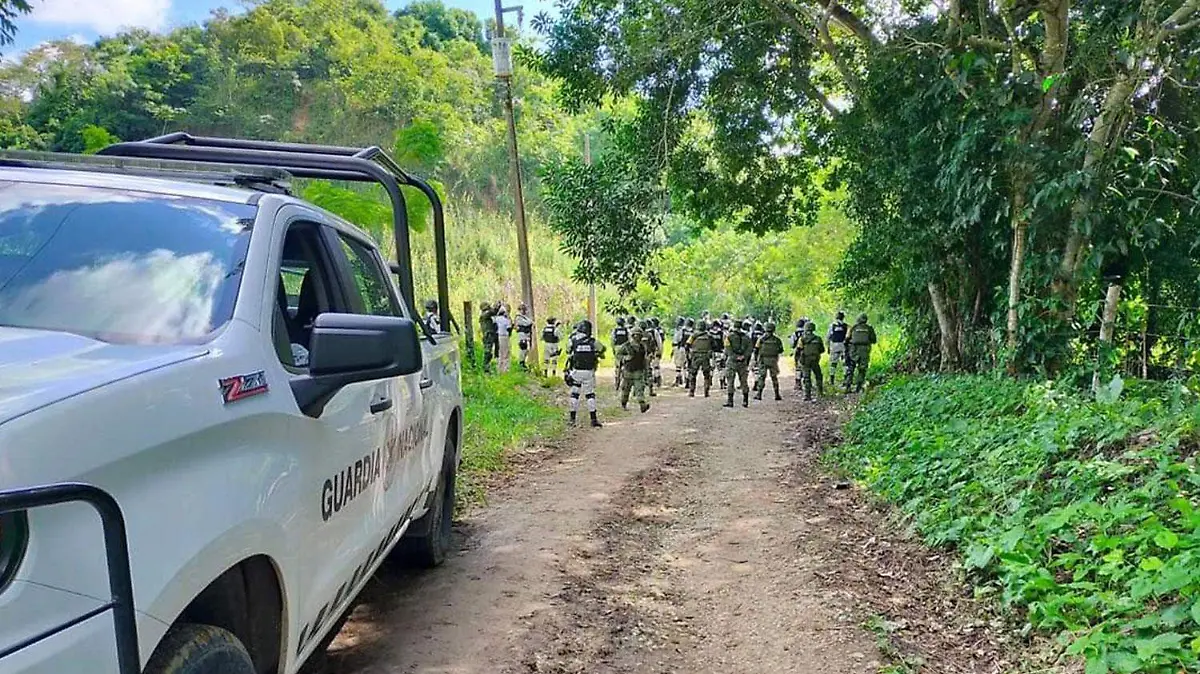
{"x":947,"y":326}
{"x":1015,"y":271}
{"x":1107,"y":327}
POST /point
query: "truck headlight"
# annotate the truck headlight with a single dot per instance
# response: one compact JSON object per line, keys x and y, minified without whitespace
{"x":14,"y":537}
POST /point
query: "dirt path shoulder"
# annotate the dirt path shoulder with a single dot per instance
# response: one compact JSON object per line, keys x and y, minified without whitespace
{"x":693,"y":538}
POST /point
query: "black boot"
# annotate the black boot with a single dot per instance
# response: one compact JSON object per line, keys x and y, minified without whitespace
{"x":596,"y":422}
{"x":729,"y":402}
{"x":707,"y":388}
{"x":572,"y":421}
{"x":777,"y":396}
{"x":758,"y":395}
{"x":745,"y":398}
{"x":645,"y":406}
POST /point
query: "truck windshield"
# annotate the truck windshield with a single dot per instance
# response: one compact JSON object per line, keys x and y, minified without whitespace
{"x":119,"y":266}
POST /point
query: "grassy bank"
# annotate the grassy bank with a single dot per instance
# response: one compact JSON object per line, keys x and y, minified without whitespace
{"x":1077,"y":515}
{"x":502,"y":413}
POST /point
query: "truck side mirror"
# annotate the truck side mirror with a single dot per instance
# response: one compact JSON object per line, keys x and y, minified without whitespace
{"x":350,"y":348}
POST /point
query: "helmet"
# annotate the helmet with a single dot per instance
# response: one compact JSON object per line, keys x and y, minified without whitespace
{"x":703,"y":327}
{"x":585,"y":327}
{"x":691,"y":321}
{"x":620,"y":321}
{"x":679,"y":321}
{"x":430,"y":305}
{"x":841,"y":315}
{"x":522,"y":307}
{"x":643,"y":324}
{"x":758,"y":325}
{"x":862,"y":318}
{"x":654,"y":322}
{"x":770,"y":327}
{"x":725,"y":316}
{"x":800,"y":323}
{"x":747,"y":326}
{"x":551,"y":321}
{"x":810,"y":327}
{"x":636,"y":333}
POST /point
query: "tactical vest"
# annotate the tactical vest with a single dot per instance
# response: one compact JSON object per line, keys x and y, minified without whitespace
{"x":702,"y":344}
{"x":524,"y":326}
{"x":860,"y":334}
{"x":620,"y":335}
{"x":635,"y":357}
{"x":739,"y":344}
{"x":549,"y":335}
{"x":584,"y":353}
{"x":770,"y":347}
{"x":837,"y":332}
{"x":811,"y":347}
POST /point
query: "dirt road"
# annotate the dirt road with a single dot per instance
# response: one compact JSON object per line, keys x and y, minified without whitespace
{"x":690,"y":539}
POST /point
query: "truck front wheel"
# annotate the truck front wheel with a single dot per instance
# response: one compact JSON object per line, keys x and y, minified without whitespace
{"x":428,"y":539}
{"x":200,"y":649}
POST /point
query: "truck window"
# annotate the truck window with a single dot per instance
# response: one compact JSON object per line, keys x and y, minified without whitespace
{"x":370,"y":279}
{"x":119,"y":266}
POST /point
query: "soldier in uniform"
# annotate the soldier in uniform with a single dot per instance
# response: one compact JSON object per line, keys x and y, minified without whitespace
{"x":431,"y":319}
{"x":837,"y":343}
{"x":635,"y":356}
{"x":551,"y":338}
{"x":769,"y":347}
{"x":700,"y":348}
{"x":488,"y":333}
{"x":503,"y":337}
{"x":620,"y":335}
{"x":650,"y":341}
{"x":583,"y":357}
{"x":796,"y":337}
{"x":679,"y":342}
{"x":524,"y":327}
{"x":738,"y":350}
{"x":809,"y":355}
{"x":717,"y":331}
{"x":660,"y":340}
{"x":858,"y":355}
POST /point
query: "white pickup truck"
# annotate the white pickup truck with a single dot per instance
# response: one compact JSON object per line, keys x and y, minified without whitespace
{"x":230,"y":377}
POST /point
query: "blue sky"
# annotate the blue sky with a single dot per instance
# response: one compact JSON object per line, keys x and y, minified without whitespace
{"x":85,"y":20}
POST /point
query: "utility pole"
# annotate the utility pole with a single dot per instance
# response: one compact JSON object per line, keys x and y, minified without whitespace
{"x":591,"y":307}
{"x":502,"y":61}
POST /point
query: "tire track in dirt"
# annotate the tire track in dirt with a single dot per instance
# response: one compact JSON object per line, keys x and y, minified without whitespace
{"x":690,"y":539}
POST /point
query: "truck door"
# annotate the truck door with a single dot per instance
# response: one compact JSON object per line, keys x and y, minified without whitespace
{"x":404,"y":429}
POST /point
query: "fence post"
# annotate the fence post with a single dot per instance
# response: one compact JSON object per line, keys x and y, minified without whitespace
{"x":469,"y":330}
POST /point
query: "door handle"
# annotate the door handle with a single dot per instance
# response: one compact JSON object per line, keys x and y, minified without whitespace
{"x":381,"y":405}
{"x":426,"y":383}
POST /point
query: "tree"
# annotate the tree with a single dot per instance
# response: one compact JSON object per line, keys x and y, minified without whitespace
{"x":9,"y":11}
{"x":443,"y":24}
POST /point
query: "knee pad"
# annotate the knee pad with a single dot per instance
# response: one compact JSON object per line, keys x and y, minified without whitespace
{"x":575,"y":395}
{"x":590,"y":396}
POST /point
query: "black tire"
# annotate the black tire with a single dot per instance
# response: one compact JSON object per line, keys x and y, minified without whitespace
{"x":427,"y":541}
{"x":200,"y":649}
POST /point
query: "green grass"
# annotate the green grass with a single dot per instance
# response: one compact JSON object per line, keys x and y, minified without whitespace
{"x":502,"y":412}
{"x":1078,"y":515}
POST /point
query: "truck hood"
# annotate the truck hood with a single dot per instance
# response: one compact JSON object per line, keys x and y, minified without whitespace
{"x":39,"y":368}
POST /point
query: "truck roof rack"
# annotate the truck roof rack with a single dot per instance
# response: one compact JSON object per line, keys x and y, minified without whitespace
{"x":263,"y":178}
{"x":328,"y":162}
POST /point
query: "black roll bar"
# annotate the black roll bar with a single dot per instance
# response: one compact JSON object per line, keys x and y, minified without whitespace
{"x":329,"y":162}
{"x":116,"y":553}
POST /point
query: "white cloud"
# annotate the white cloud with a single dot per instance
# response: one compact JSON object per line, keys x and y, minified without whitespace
{"x":102,"y":16}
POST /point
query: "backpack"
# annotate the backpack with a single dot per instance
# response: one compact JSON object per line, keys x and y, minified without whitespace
{"x":549,"y":335}
{"x":860,"y":334}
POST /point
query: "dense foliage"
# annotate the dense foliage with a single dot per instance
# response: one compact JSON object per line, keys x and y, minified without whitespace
{"x":1080,"y":513}
{"x":1005,"y":162}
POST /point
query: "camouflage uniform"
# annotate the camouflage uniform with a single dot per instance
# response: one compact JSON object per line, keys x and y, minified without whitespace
{"x":858,"y":354}
{"x":738,"y":350}
{"x":717,"y":331}
{"x":635,"y":356}
{"x":488,"y":334}
{"x":620,"y":335}
{"x":700,"y":349}
{"x":769,"y":348}
{"x":679,"y":348}
{"x":809,"y":355}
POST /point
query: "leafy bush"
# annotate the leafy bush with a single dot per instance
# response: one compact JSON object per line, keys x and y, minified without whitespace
{"x":1079,"y":515}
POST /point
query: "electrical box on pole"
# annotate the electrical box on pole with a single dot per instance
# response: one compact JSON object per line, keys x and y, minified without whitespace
{"x":502,"y":57}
